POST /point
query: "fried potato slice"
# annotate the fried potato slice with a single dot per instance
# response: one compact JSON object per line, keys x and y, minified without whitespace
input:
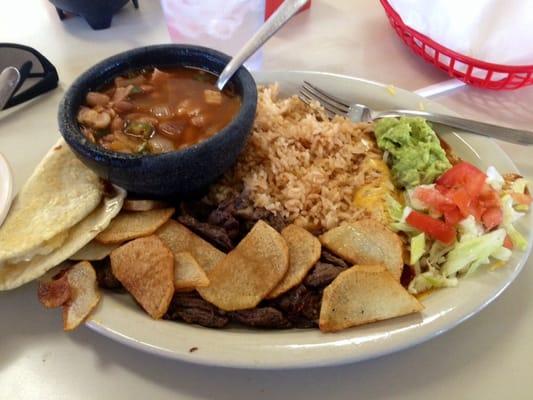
{"x":145,"y":267}
{"x":84,"y":294}
{"x":93,"y":251}
{"x":179,"y":239}
{"x":188,"y":275}
{"x":249,"y":272}
{"x":363,"y":294}
{"x":143,"y":205}
{"x":304,"y":252}
{"x":55,"y":291}
{"x":131,"y":225}
{"x":366,"y":242}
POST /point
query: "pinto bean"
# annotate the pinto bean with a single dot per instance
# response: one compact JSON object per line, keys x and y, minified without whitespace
{"x":117,"y":124}
{"x":97,"y":99}
{"x":122,"y":93}
{"x":93,"y":118}
{"x":172,"y":129}
{"x":123,"y":106}
{"x":147,"y":88}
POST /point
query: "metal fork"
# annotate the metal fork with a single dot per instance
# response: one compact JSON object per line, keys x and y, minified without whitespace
{"x":361,"y":113}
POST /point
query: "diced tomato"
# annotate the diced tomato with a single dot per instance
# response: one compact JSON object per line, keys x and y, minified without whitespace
{"x":463,"y":175}
{"x":462,"y":200}
{"x":522,"y":198}
{"x":492,"y":217}
{"x":453,"y":216}
{"x":466,"y":188}
{"x":432,"y":198}
{"x":489,"y":197}
{"x":459,"y":192}
{"x":435,"y":228}
{"x":507,"y":242}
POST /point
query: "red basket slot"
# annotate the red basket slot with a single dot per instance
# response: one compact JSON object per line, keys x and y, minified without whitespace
{"x":470,"y":70}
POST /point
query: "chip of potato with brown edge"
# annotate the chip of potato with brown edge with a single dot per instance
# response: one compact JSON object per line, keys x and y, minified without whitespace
{"x":188,"y":275}
{"x":364,"y":294}
{"x":179,"y":239}
{"x":93,"y":251}
{"x":366,"y":242}
{"x":132,"y":225}
{"x":143,"y":205}
{"x":145,"y":267}
{"x":84,"y":294}
{"x":55,"y":291}
{"x":304,"y":252}
{"x":249,"y":272}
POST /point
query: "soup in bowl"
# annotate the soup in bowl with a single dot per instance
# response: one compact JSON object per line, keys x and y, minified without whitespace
{"x":154,"y":110}
{"x":152,"y":121}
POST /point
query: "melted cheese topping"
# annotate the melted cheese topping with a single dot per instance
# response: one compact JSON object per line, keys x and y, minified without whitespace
{"x":373,"y":196}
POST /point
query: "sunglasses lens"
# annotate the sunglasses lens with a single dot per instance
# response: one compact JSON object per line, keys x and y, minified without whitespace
{"x":11,"y":56}
{"x":36,"y":77}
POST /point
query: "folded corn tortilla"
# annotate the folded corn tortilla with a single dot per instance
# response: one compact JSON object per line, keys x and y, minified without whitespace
{"x":59,"y":194}
{"x":17,"y":274}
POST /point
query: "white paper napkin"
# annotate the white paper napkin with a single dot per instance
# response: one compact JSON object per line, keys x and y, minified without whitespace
{"x":497,"y":31}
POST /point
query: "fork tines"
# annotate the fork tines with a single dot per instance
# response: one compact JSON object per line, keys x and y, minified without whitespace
{"x":331,"y":104}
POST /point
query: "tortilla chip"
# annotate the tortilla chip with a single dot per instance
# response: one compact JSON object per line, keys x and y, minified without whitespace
{"x":143,"y":205}
{"x":180,"y":239}
{"x":188,"y":275}
{"x":84,"y":295}
{"x":59,"y":194}
{"x":304,"y":252}
{"x":132,"y":225}
{"x":54,"y":292}
{"x":366,"y":242}
{"x":364,"y":294}
{"x":249,"y":272}
{"x":93,"y":251}
{"x":145,"y":267}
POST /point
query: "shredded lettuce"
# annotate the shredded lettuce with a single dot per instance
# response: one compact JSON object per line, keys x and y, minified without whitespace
{"x":394,"y":208}
{"x":429,"y":280}
{"x":502,"y":254}
{"x":510,"y":216}
{"x":473,"y":252}
{"x":519,"y":185}
{"x":398,"y":214}
{"x":524,"y":208}
{"x":418,"y":248}
{"x":437,"y":253}
{"x":469,"y":228}
{"x":518,"y":240}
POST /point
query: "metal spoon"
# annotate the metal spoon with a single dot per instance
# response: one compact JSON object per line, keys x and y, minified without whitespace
{"x":9,"y":79}
{"x":284,"y":13}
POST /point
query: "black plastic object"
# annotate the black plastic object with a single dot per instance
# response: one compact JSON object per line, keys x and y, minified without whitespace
{"x":97,"y":13}
{"x":177,"y":173}
{"x":37,"y":74}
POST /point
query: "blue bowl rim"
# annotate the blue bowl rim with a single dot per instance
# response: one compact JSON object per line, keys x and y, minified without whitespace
{"x":93,"y":77}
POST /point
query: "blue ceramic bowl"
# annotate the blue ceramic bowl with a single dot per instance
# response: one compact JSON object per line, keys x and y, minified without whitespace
{"x":179,"y":173}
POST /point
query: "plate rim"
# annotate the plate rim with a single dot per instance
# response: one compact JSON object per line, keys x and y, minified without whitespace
{"x":236,"y":362}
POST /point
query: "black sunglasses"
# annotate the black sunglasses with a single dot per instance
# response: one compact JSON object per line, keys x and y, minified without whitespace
{"x":37,"y":74}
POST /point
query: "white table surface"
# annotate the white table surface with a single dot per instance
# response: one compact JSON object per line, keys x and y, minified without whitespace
{"x":487,"y":357}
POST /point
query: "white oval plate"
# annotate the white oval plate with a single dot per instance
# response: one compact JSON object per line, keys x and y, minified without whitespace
{"x":121,"y":319}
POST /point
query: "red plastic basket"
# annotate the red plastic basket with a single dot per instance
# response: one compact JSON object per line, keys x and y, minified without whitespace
{"x":470,"y":70}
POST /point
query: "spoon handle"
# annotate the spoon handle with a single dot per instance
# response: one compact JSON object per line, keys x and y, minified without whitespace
{"x":285,"y":12}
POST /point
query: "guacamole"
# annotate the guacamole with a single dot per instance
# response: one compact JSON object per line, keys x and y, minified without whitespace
{"x":415,"y":154}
